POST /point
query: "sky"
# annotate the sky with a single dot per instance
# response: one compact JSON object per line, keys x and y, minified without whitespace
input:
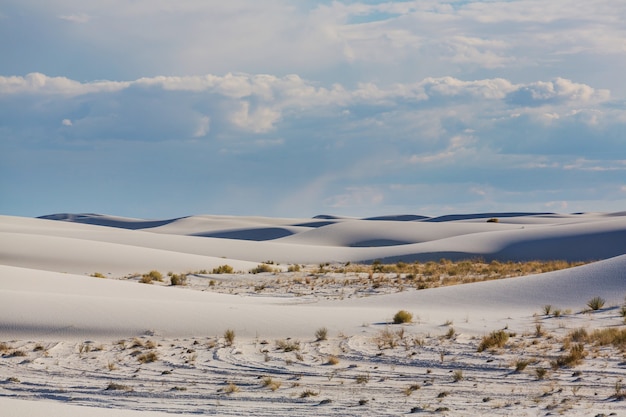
{"x":167,"y":108}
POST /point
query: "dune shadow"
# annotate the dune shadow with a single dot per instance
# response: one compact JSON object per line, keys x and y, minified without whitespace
{"x":101,"y":220}
{"x":258,"y":235}
{"x":376,"y":243}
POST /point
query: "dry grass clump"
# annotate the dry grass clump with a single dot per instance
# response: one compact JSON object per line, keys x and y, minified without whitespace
{"x":262,"y":268}
{"x":388,"y":338}
{"x":231,"y":388}
{"x":574,"y":357}
{"x":114,"y":386}
{"x":596,"y":303}
{"x":223,"y":269}
{"x":148,"y":357}
{"x":332,"y":360}
{"x":287,"y":345}
{"x":497,"y":338}
{"x":309,"y":393}
{"x":97,"y":275}
{"x":321,"y":334}
{"x":402,"y":316}
{"x":270,"y":383}
{"x":178,"y":279}
{"x":229,"y":337}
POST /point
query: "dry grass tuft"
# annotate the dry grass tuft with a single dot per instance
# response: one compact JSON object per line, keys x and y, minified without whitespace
{"x":497,"y":338}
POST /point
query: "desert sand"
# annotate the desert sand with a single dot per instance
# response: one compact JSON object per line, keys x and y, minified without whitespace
{"x":74,"y":344}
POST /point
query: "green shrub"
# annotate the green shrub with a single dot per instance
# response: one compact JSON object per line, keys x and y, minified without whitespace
{"x":402,"y":316}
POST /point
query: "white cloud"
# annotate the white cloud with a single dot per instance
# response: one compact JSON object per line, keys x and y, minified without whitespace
{"x":66,"y":122}
{"x":204,"y":125}
{"x":76,"y":17}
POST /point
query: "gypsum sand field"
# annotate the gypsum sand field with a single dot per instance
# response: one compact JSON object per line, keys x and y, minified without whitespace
{"x":367,"y":366}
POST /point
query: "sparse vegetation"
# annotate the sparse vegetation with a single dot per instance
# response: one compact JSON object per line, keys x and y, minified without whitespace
{"x":270,"y":383}
{"x":114,"y":386}
{"x":574,"y":357}
{"x":98,"y":275}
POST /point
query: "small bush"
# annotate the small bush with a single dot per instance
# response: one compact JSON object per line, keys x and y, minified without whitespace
{"x":262,"y":268}
{"x":332,"y":360}
{"x":457,"y":375}
{"x":270,"y":383}
{"x":541,"y":373}
{"x":573,"y":358}
{"x":596,"y":303}
{"x":223,"y":269}
{"x":321,"y":334}
{"x":288,"y":345}
{"x":493,"y":220}
{"x":229,"y":337}
{"x":496,"y":338}
{"x":293,"y":268}
{"x":308,"y":393}
{"x":156,"y":275}
{"x":114,"y":386}
{"x":148,"y":357}
{"x":97,"y":275}
{"x":402,"y":316}
{"x":178,"y":279}
{"x":231,"y":388}
{"x":521,"y":364}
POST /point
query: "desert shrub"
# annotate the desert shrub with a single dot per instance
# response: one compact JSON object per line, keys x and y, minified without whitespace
{"x":288,"y":345}
{"x":332,"y":360}
{"x":270,"y":383}
{"x":223,"y":269}
{"x":362,"y":379}
{"x":308,"y":393}
{"x":574,"y":357}
{"x":521,"y":364}
{"x":293,"y":268}
{"x":457,"y":375}
{"x":493,"y":220}
{"x":97,"y":275}
{"x":148,"y":357}
{"x":402,"y":316}
{"x":229,"y":337}
{"x":262,"y":268}
{"x":497,"y":338}
{"x":156,"y":275}
{"x":547,"y":309}
{"x":114,"y":386}
{"x":540,"y":373}
{"x":450,"y":333}
{"x":178,"y":279}
{"x":387,"y":338}
{"x":231,"y":388}
{"x":609,"y":336}
{"x":145,"y":279}
{"x":596,"y":303}
{"x":321,"y":333}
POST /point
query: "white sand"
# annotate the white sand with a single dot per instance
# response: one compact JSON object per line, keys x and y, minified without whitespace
{"x":51,"y":311}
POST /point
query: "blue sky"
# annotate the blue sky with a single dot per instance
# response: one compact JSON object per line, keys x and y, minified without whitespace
{"x":161,"y":108}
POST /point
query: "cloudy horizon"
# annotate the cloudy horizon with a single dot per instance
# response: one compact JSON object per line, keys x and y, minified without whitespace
{"x":160,"y":109}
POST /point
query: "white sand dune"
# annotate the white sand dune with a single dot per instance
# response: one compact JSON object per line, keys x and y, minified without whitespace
{"x":46,"y":298}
